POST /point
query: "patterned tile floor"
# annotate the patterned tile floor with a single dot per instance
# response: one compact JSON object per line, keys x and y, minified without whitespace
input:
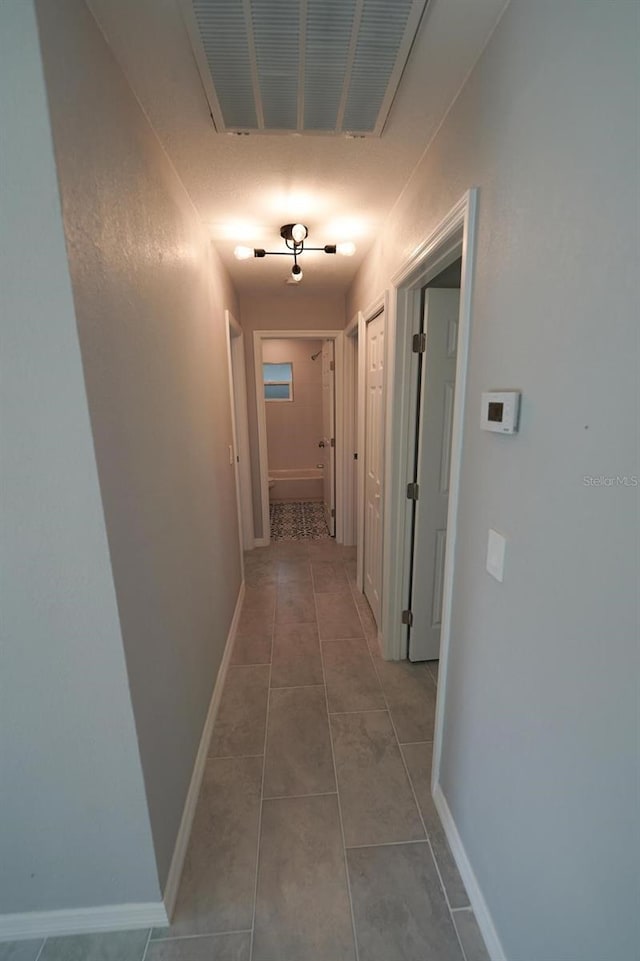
{"x":297,"y":520}
{"x":315,"y":836}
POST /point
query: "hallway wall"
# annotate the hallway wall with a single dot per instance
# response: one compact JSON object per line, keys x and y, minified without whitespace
{"x":295,"y":427}
{"x":540,"y":759}
{"x":291,"y":310}
{"x":74,"y":828}
{"x":149,"y":298}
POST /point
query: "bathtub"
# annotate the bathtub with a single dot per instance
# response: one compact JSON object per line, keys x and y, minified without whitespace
{"x":296,"y":484}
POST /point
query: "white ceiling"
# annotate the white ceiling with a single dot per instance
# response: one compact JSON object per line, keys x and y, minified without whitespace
{"x":245,"y":187}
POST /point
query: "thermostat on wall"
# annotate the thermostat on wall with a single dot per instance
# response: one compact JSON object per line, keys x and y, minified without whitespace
{"x":500,"y":411}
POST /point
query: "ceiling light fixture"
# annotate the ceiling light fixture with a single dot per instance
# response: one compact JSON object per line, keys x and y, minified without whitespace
{"x":294,"y":236}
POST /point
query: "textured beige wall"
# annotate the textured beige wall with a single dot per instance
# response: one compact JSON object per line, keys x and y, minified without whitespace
{"x":294,"y":428}
{"x":74,"y":824}
{"x":149,"y":297}
{"x":290,"y":310}
{"x":540,"y":760}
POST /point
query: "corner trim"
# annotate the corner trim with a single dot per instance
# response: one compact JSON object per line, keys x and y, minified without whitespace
{"x":111,"y":917}
{"x":478,"y":903}
{"x":188,"y":813}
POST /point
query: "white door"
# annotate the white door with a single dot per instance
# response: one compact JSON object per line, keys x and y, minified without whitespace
{"x":328,"y":434}
{"x":241,"y":438}
{"x":239,"y":451}
{"x":374,"y":463}
{"x":441,"y":310}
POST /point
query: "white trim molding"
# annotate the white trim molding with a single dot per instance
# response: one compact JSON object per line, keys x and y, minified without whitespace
{"x":478,"y":903}
{"x":451,"y":238}
{"x":189,"y":810}
{"x":110,"y":917}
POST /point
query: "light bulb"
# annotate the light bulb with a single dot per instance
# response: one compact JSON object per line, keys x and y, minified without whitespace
{"x":296,"y":273}
{"x":243,"y":253}
{"x":347,"y":248}
{"x":299,"y":233}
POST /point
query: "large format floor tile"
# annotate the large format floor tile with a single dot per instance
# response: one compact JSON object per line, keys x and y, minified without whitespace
{"x":307,"y":637}
{"x":375,"y":795}
{"x":117,"y":946}
{"x":298,"y":759}
{"x":366,"y":615}
{"x":252,"y":648}
{"x":470,"y":937}
{"x":255,"y":622}
{"x":261,"y":599}
{"x":302,"y":907}
{"x":218,"y":881}
{"x":296,"y":657}
{"x":260,"y":574}
{"x":20,"y":950}
{"x":242,"y":717}
{"x":337,"y":617}
{"x":329,"y":577}
{"x":434,"y":667}
{"x":295,"y":604}
{"x":292,"y":571}
{"x":352,"y":683}
{"x":411,"y":695}
{"x":418,"y":760}
{"x":219,"y":947}
{"x":399,"y":908}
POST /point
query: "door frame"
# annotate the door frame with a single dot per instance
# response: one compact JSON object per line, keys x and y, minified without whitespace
{"x":342,"y":493}
{"x":240,"y":430}
{"x":360,"y":322}
{"x":453,"y":237}
{"x":351,"y":438}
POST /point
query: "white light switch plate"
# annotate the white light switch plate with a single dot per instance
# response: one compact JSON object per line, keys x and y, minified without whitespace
{"x":495,"y":554}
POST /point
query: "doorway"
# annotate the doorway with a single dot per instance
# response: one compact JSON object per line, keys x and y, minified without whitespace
{"x":328,"y":440}
{"x":436,"y":373}
{"x":299,"y":396}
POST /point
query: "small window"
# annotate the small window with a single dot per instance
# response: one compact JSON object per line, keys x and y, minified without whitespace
{"x":278,"y":381}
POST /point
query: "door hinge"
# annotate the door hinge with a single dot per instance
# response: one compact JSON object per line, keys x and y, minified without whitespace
{"x":419,"y":343}
{"x":332,"y":365}
{"x":333,"y":442}
{"x":407,"y":618}
{"x":333,"y":512}
{"x":413,"y":491}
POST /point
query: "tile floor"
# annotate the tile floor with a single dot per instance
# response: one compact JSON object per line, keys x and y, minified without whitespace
{"x":315,"y":836}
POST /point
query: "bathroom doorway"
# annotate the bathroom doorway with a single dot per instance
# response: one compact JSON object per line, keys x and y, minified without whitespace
{"x":298,"y":403}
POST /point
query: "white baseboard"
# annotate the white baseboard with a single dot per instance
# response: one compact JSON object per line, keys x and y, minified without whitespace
{"x":478,"y":903}
{"x":186,"y":823}
{"x":261,"y":541}
{"x":111,"y":917}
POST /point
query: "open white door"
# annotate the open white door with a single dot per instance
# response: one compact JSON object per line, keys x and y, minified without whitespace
{"x":240,"y":430}
{"x":374,"y":463}
{"x":440,"y":323}
{"x":329,"y":434}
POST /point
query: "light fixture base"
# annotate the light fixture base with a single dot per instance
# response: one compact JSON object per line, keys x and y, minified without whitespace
{"x":286,"y":232}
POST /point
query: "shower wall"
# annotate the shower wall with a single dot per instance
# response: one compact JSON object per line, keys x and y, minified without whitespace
{"x":294,"y":428}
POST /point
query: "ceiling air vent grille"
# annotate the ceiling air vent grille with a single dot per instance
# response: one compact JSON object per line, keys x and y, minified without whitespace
{"x":305,"y":66}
